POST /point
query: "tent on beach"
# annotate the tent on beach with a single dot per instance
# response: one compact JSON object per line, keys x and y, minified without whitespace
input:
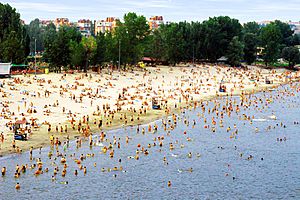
{"x":5,"y":69}
{"x":223,"y":59}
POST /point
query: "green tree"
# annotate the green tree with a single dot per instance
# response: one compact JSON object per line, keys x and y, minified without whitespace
{"x":35,"y":32}
{"x":155,"y":45}
{"x":188,"y":41}
{"x":292,"y":55}
{"x":13,"y":37}
{"x":176,"y":42}
{"x":251,"y":27}
{"x":62,"y":50}
{"x":296,"y":39}
{"x":270,"y":40}
{"x":250,"y":47}
{"x":218,"y":33}
{"x":90,"y":46}
{"x":25,"y":42}
{"x":78,"y":54}
{"x":197,"y":35}
{"x":10,"y":47}
{"x":59,"y":46}
{"x":132,"y":36}
{"x":174,"y":45}
{"x":111,"y":50}
{"x":99,"y":56}
{"x":286,"y":33}
{"x":72,"y":34}
{"x":50,"y":34}
{"x":235,"y":52}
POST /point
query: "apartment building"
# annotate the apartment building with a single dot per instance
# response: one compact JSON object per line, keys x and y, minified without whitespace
{"x":44,"y":23}
{"x":84,"y":26}
{"x":107,"y":25}
{"x":295,"y":26}
{"x":155,"y":21}
{"x":58,"y":22}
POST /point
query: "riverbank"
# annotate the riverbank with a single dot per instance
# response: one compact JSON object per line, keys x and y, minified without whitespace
{"x":122,"y":99}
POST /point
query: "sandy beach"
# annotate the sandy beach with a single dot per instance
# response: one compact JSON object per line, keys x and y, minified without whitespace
{"x":66,"y":106}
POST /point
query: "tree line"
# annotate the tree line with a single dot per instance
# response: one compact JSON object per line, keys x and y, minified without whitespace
{"x":172,"y":43}
{"x":224,"y":36}
{"x":14,"y":39}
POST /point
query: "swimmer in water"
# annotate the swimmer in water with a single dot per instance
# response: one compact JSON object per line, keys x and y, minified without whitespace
{"x":3,"y":171}
{"x":18,"y":186}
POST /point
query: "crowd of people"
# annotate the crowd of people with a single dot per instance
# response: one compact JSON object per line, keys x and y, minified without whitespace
{"x":56,"y":109}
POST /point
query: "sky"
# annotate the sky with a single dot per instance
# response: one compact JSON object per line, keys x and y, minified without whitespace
{"x":171,"y":10}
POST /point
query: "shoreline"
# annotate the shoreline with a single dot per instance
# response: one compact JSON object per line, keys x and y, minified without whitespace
{"x":154,"y":116}
{"x":114,"y":84}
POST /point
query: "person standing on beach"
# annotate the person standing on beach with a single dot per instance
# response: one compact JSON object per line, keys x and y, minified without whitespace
{"x":2,"y":137}
{"x":13,"y":143}
{"x":100,"y":124}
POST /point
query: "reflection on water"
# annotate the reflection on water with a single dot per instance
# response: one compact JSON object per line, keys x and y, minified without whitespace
{"x":222,"y":167}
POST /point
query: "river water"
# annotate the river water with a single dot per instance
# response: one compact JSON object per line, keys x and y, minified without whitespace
{"x":219,"y":169}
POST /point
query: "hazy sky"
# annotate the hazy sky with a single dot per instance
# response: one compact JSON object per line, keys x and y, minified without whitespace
{"x":172,"y":10}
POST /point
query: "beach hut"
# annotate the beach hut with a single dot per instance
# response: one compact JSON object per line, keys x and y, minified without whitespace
{"x":223,"y":60}
{"x":5,"y":69}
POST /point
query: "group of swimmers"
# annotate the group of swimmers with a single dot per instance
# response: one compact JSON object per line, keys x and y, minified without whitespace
{"x":108,"y":114}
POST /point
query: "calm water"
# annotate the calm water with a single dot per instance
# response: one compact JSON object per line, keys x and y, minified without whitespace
{"x":277,"y":176}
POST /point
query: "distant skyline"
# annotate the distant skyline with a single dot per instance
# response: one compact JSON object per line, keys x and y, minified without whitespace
{"x":171,"y":10}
